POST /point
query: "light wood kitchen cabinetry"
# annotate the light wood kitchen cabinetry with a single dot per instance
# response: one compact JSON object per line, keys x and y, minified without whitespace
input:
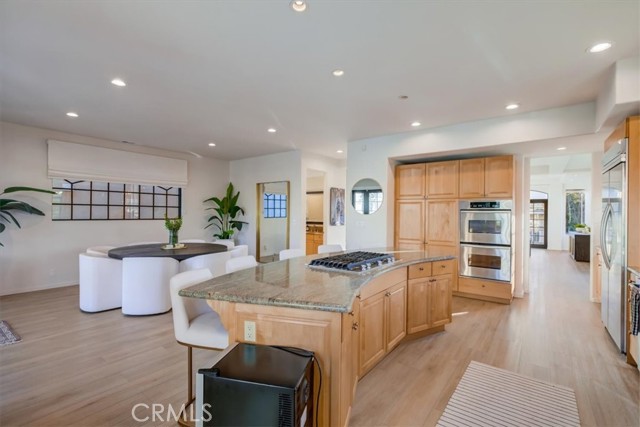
{"x":314,"y":239}
{"x":471,"y":178}
{"x":429,"y":296}
{"x":349,"y":354}
{"x":486,"y":177}
{"x":488,"y":290}
{"x":442,"y":180}
{"x":410,"y":181}
{"x":382,"y":324}
{"x":409,"y":224}
{"x":442,"y":222}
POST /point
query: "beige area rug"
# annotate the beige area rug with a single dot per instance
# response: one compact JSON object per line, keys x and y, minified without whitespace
{"x":7,"y":335}
{"x":488,"y":396}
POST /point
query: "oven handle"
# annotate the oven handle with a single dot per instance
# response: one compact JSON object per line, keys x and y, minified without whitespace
{"x":469,"y":245}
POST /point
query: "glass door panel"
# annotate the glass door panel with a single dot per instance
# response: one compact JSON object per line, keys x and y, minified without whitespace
{"x":538,"y":223}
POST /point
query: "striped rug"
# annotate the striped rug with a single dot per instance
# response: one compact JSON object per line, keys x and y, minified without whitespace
{"x":488,"y":396}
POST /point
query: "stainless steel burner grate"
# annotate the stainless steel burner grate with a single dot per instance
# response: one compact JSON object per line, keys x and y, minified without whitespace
{"x":354,"y":261}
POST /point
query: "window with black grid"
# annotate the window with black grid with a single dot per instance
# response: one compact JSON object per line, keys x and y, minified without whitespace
{"x":79,"y":200}
{"x":274,"y":205}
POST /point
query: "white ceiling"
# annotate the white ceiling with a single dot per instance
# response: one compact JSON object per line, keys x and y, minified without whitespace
{"x":558,"y":165}
{"x":225,"y":71}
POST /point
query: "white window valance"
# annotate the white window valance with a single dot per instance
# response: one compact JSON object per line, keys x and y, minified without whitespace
{"x":90,"y":162}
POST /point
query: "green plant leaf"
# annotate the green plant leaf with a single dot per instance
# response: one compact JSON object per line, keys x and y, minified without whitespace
{"x":8,"y":217}
{"x":15,"y":189}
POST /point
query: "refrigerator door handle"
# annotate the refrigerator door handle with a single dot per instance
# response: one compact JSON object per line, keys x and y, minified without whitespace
{"x":606,"y":218}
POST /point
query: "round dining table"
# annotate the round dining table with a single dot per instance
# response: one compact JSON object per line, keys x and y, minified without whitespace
{"x":156,"y":250}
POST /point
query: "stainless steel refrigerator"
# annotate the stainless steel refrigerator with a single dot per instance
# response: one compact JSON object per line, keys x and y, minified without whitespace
{"x":613,"y":240}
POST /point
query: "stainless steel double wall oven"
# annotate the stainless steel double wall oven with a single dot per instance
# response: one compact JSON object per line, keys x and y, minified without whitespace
{"x":485,"y":239}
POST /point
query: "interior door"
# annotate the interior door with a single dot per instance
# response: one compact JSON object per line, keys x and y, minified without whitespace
{"x":538,"y":223}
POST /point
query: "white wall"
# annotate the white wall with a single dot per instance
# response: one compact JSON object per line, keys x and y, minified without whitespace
{"x":315,"y":207}
{"x":247,"y":173}
{"x":335,"y":174}
{"x":44,"y":253}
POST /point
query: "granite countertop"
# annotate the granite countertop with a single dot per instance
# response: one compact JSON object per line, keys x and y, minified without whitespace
{"x":290,"y":283}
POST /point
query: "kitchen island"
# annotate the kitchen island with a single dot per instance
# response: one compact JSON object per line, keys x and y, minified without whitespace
{"x":351,"y":320}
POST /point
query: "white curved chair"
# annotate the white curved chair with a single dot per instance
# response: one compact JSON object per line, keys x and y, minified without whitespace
{"x":325,"y":249}
{"x":291,"y":253}
{"x":192,"y":241}
{"x":145,"y":284}
{"x":195,"y":324}
{"x":142,"y":243}
{"x":216,"y":263}
{"x":99,"y":250}
{"x":228,"y":243}
{"x":100,"y":283}
{"x":240,"y":263}
{"x":240,"y":250}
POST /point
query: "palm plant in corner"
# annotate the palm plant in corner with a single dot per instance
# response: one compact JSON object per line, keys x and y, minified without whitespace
{"x":226,"y":211}
{"x":8,"y":205}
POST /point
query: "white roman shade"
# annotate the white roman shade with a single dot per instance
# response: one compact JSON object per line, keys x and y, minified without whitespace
{"x":90,"y":162}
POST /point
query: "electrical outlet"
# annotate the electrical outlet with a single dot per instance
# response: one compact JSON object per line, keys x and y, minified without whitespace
{"x":249,"y":331}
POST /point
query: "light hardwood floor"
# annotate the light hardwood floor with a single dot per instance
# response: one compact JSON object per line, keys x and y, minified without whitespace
{"x":77,"y":369}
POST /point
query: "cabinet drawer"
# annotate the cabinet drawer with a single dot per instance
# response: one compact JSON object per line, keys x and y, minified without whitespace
{"x":442,"y":267}
{"x":485,"y":287}
{"x":417,"y":271}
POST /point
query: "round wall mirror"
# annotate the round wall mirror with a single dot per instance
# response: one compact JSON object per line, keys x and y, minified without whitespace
{"x":366,"y":196}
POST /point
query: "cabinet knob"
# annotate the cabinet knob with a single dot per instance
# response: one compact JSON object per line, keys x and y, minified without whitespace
{"x":432,"y":280}
{"x":421,"y":268}
{"x":355,"y":326}
{"x":387,"y":294}
{"x":442,"y":266}
{"x":351,"y":313}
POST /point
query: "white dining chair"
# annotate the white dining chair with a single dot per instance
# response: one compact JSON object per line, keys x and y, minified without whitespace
{"x":325,"y":249}
{"x":291,"y":253}
{"x":240,"y":250}
{"x":100,"y":283}
{"x":216,"y":263}
{"x":99,"y":250}
{"x":142,"y":243}
{"x":195,"y":324}
{"x":240,"y":263}
{"x":192,"y":241}
{"x":145,"y":284}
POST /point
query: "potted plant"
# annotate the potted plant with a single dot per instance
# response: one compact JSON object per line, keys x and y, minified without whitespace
{"x":9,"y":205}
{"x":226,"y":211}
{"x":173,"y":225}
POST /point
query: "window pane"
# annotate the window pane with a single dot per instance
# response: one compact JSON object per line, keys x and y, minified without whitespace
{"x":158,"y":213}
{"x":81,"y":197}
{"x":116,"y":212}
{"x":173,"y":201}
{"x":98,"y":212}
{"x":82,"y":185}
{"x":173,"y":212}
{"x":131,"y":188}
{"x":81,"y":212}
{"x":116,"y":187}
{"x":116,"y":198}
{"x":160,"y":200}
{"x":59,"y":183}
{"x":131,"y":212}
{"x":174,"y":190}
{"x":131,"y":199}
{"x":146,"y":200}
{"x":100,"y":186}
{"x":61,"y":212}
{"x":146,"y":189}
{"x":146,"y":213}
{"x":100,"y":198}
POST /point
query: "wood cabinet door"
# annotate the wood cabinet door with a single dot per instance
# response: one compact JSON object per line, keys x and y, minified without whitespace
{"x":417,"y":305}
{"x":471,"y":178}
{"x":498,"y":176}
{"x":442,"y":222}
{"x":409,"y":221}
{"x":355,"y":346}
{"x":440,"y":300}
{"x":396,"y":314}
{"x":442,"y":180}
{"x":372,"y":331}
{"x":410,"y":181}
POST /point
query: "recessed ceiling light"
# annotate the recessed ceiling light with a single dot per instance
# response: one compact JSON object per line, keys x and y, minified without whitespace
{"x":271,"y":130}
{"x":561,"y":148}
{"x":338,"y":73}
{"x":512,"y":106}
{"x":118,"y":82}
{"x":600,"y":47}
{"x":339,"y":151}
{"x":212,"y":144}
{"x":299,"y":5}
{"x":416,"y":124}
{"x":72,"y":114}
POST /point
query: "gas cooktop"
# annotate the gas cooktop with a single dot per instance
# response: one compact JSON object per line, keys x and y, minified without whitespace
{"x":353,"y":261}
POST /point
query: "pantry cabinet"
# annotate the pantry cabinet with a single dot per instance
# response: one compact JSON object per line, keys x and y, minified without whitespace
{"x":409,"y":224}
{"x":410,"y":181}
{"x":442,"y":222}
{"x":471,"y":178}
{"x":489,"y":177}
